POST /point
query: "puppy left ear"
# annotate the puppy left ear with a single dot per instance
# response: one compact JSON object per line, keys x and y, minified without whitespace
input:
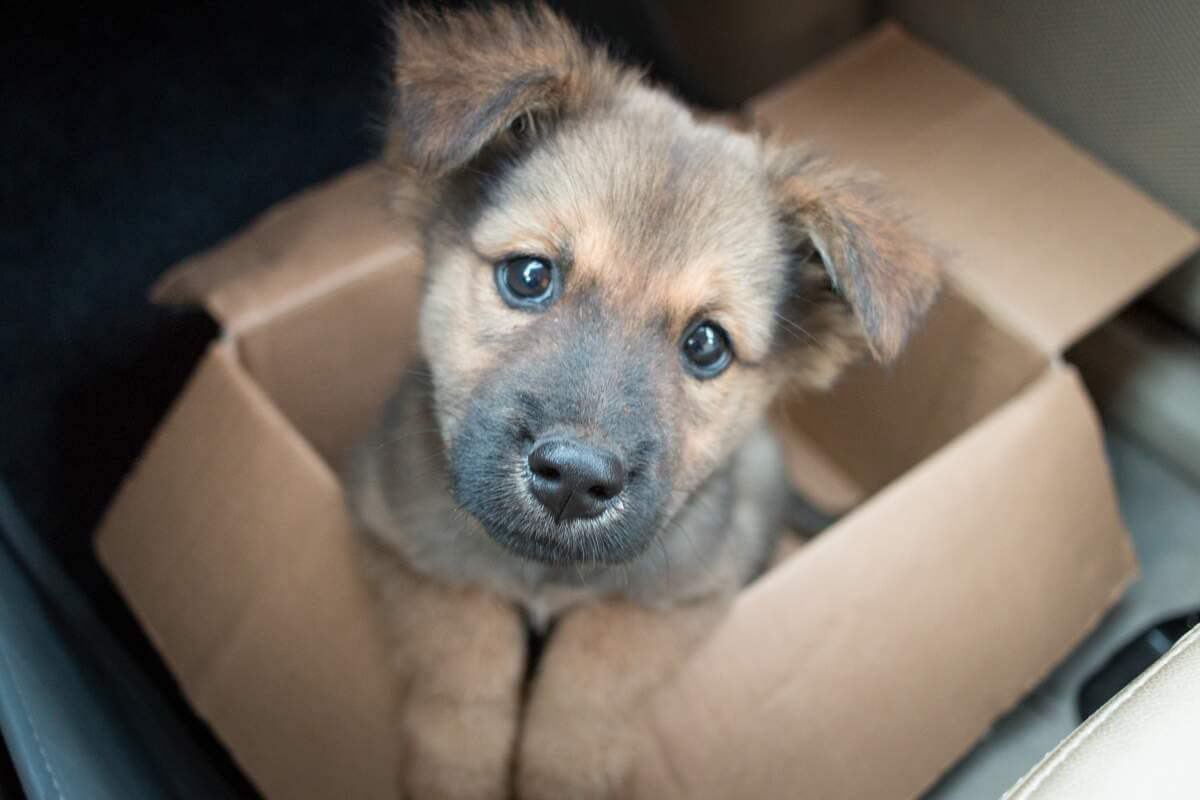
{"x":467,"y":79}
{"x":885,"y":274}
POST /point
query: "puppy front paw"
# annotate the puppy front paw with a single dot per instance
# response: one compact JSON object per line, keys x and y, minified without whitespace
{"x":456,"y":749}
{"x":580,"y":754}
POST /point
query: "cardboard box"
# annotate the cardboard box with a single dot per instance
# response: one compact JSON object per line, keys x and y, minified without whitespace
{"x":987,"y":542}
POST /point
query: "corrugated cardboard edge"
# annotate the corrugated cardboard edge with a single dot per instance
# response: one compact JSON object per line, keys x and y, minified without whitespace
{"x":864,"y":690}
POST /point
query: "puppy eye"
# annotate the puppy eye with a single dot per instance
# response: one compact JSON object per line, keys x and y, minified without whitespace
{"x":706,"y":349}
{"x":527,"y":281}
{"x":521,"y":126}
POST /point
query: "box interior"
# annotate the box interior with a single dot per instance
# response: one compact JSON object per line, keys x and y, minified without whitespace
{"x":878,"y":422}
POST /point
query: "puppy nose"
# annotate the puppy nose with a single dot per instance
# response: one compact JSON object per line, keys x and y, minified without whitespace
{"x":574,"y":480}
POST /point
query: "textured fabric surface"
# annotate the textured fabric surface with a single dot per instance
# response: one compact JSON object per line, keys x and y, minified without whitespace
{"x":1140,"y":744}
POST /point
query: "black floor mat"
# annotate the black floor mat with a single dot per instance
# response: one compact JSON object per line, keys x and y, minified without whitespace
{"x":132,"y":139}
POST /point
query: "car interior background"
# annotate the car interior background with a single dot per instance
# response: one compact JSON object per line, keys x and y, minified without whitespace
{"x":135,"y":137}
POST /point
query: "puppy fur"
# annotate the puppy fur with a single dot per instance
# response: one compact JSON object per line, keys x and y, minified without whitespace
{"x":512,"y":136}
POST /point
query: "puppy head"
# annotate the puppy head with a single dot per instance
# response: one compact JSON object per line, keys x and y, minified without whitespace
{"x":616,"y":289}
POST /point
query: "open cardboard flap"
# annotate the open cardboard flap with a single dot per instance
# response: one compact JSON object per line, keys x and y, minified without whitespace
{"x":863,"y":666}
{"x":1041,"y":234}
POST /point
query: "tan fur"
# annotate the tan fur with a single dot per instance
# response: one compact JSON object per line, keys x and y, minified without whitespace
{"x":584,"y":723}
{"x":887,"y":275}
{"x":716,"y":263}
{"x":445,"y":80}
{"x":511,"y":136}
{"x":458,"y":681}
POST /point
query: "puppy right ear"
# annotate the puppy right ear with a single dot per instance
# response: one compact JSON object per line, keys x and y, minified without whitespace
{"x":469,"y":79}
{"x":886,"y":276}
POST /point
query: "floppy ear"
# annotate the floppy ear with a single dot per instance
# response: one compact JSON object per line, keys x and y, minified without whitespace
{"x":870,"y":258}
{"x":467,"y":79}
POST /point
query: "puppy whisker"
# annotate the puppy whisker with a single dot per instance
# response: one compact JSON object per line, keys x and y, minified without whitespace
{"x":796,"y":329}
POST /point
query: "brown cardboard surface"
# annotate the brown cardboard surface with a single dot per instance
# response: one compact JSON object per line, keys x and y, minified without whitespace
{"x":329,"y":363}
{"x":1039,"y":232}
{"x":866,"y":663}
{"x":862,"y":666}
{"x":231,"y":543}
{"x":877,"y":422}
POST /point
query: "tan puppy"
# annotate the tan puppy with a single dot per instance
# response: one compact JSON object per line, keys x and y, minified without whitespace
{"x":615,"y":291}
